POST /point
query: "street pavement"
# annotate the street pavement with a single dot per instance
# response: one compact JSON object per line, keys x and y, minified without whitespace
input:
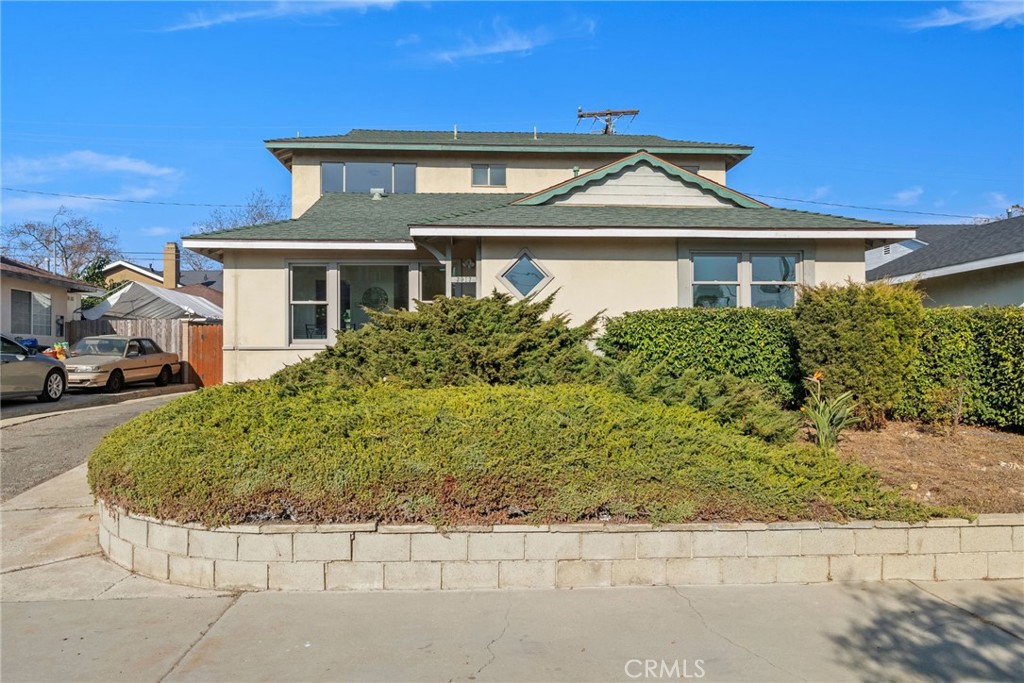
{"x":74,"y":399}
{"x":69,"y":615}
{"x":35,"y":447}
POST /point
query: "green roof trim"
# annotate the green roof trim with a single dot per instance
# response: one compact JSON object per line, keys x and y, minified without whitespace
{"x":469,"y":141}
{"x":687,"y":177}
{"x":577,"y":216}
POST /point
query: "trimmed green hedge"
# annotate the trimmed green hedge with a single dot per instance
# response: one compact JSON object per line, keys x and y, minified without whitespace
{"x":976,"y":351}
{"x":981,"y":349}
{"x":473,"y":454}
{"x":862,"y":338}
{"x":750,"y":343}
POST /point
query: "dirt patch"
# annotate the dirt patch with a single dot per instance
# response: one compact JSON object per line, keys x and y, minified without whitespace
{"x":979,"y":469}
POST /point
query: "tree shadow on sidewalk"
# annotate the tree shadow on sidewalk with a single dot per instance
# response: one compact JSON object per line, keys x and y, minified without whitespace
{"x":902,"y":632}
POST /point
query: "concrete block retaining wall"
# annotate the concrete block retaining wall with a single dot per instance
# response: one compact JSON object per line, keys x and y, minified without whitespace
{"x":418,"y":557}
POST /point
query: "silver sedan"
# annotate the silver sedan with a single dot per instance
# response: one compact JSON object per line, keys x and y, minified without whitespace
{"x":27,"y":373}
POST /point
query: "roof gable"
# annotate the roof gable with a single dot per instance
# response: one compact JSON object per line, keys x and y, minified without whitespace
{"x":127,"y":265}
{"x":690,"y":189}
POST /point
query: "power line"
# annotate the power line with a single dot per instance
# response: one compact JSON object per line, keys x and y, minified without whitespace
{"x":238,"y":206}
{"x":854,"y":206}
{"x":124,"y":201}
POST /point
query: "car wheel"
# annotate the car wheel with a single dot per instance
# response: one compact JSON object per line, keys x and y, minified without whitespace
{"x":164,"y":378}
{"x":53,"y":387}
{"x":115,"y":382}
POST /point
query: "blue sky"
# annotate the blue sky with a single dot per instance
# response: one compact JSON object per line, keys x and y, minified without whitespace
{"x":913,"y":106}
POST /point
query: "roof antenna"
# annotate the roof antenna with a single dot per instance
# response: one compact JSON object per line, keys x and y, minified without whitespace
{"x":455,"y":133}
{"x":535,"y":132}
{"x":610,"y":117}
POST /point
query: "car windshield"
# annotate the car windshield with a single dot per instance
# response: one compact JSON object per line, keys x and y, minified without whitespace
{"x":98,"y":346}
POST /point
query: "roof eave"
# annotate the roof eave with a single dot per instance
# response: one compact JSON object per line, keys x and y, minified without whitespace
{"x":281,"y":147}
{"x":665,"y":232}
{"x":53,"y":281}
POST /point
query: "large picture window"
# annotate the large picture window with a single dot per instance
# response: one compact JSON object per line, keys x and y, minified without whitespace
{"x":362,"y":176}
{"x":31,"y":313}
{"x":325,"y":297}
{"x":757,"y":279}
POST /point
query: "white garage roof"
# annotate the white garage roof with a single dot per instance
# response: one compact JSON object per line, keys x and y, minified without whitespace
{"x":138,"y":301}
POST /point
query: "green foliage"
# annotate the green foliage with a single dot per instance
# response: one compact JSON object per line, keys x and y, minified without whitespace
{"x":454,"y":342}
{"x":243,"y":453}
{"x":750,"y":343}
{"x":828,"y":417}
{"x":732,"y":402}
{"x":971,"y":362}
{"x":863,"y":337}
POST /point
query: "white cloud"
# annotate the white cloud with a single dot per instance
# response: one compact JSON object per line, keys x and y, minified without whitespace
{"x":411,"y":39}
{"x":275,"y":10}
{"x":821,"y":192}
{"x":908,"y":197}
{"x":22,"y":170}
{"x":997,"y":199}
{"x":503,"y":39}
{"x":977,"y":16}
{"x":156,"y":231}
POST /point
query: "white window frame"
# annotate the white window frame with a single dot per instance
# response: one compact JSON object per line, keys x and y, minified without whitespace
{"x":35,"y":311}
{"x":293,"y":302}
{"x":333,"y":301}
{"x":489,"y":182}
{"x":544,"y":282}
{"x":744,"y":270}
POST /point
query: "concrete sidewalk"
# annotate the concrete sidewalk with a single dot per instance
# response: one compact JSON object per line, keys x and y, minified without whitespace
{"x":68,"y":614}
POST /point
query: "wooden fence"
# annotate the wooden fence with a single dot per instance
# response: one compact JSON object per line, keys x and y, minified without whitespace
{"x":166,"y":333}
{"x":198,"y":345}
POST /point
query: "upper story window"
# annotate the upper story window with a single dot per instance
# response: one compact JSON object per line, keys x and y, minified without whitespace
{"x":363,"y":176}
{"x":489,"y":175}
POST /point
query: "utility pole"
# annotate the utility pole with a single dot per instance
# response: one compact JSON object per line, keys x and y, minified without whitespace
{"x":610,"y":116}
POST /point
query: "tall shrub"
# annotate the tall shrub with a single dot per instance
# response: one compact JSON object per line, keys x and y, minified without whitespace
{"x":976,"y":354}
{"x":454,"y":342}
{"x":750,"y":343}
{"x":863,"y":338}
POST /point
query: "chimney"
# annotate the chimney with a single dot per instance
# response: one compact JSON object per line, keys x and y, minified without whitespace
{"x":172,"y":265}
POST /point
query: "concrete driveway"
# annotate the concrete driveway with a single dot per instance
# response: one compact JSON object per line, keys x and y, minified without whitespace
{"x":70,"y":615}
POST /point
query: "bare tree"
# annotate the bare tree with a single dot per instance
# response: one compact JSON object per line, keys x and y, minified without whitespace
{"x":259,"y":208}
{"x":65,"y":245}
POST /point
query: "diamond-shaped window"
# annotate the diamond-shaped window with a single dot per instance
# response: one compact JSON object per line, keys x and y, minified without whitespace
{"x":525,"y":275}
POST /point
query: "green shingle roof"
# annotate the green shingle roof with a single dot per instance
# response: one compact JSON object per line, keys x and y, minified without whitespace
{"x":358,"y":217}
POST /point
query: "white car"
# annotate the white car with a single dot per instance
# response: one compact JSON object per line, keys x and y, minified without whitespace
{"x":27,"y":373}
{"x":111,"y":361}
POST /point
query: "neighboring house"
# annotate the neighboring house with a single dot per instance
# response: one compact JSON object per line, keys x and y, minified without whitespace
{"x":138,"y":301}
{"x":612,"y":223}
{"x":171,"y":277}
{"x":964,"y":265}
{"x":37,"y":303}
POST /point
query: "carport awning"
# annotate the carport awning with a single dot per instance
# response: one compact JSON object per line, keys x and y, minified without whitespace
{"x":138,"y":301}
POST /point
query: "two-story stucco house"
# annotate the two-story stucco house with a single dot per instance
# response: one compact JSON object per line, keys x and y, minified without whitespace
{"x":612,"y":223}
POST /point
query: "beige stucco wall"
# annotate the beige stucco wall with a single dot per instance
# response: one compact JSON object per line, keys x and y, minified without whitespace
{"x":1002,"y":286}
{"x":525,"y":173}
{"x":63,"y":304}
{"x":256,"y":307}
{"x":613,"y":275}
{"x":122,"y":274}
